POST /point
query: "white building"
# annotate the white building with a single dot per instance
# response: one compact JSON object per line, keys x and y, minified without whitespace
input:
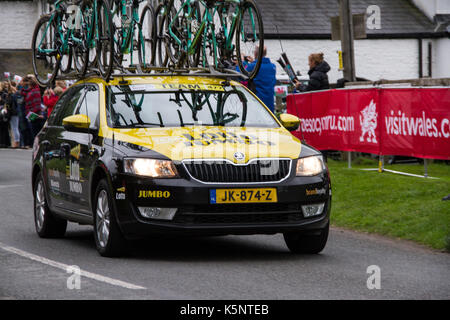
{"x":405,"y":38}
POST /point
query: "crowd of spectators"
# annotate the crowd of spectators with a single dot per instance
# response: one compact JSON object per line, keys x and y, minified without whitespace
{"x":24,"y":108}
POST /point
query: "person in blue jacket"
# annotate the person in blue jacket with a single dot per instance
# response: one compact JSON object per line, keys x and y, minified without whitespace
{"x":265,"y":80}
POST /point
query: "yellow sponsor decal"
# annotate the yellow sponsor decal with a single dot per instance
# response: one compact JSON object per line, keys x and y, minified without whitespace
{"x":211,"y":142}
{"x":153,"y":194}
{"x":121,"y":189}
{"x":187,"y":86}
{"x":315,"y":192}
{"x":221,"y":137}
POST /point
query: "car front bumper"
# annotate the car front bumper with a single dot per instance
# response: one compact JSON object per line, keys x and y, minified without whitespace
{"x":195,"y":214}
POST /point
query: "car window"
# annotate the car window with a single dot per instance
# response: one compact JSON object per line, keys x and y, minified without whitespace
{"x":142,"y":106}
{"x":67,"y":105}
{"x":89,"y":105}
{"x":56,"y":109}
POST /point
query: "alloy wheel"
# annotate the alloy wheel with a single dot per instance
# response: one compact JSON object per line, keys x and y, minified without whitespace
{"x":102,"y":221}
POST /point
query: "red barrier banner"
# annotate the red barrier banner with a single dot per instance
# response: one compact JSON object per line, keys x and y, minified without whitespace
{"x":409,"y":122}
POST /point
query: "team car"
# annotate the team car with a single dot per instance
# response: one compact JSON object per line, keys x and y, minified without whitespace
{"x":178,"y":154}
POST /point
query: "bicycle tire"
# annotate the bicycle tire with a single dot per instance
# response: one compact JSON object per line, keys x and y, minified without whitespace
{"x":65,"y":65}
{"x":53,"y":63}
{"x":173,"y":50}
{"x":104,"y":40}
{"x":209,"y":49}
{"x":242,"y":99}
{"x":193,"y":59}
{"x":160,"y":53}
{"x":150,"y":39}
{"x":225,"y":54}
{"x":250,"y":4}
{"x":82,"y":54}
{"x":117,"y":37}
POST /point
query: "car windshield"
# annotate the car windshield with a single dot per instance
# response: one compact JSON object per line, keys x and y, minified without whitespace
{"x":149,"y":105}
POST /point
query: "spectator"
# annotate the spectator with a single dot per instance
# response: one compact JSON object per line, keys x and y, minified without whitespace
{"x":33,"y":101}
{"x":318,"y":78}
{"x":265,"y":80}
{"x":62,"y":84}
{"x":26,"y":137}
{"x":50,"y":98}
{"x":5,"y":115}
{"x":10,"y":89}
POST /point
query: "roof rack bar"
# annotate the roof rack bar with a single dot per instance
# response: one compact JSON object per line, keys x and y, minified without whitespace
{"x":162,"y":71}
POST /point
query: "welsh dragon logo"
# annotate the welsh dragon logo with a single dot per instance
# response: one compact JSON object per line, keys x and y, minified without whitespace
{"x":368,"y":120}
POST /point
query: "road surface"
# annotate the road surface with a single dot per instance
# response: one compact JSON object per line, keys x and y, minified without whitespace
{"x":231,"y":267}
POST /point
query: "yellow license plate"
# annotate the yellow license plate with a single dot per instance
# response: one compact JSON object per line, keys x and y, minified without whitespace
{"x":243,"y":195}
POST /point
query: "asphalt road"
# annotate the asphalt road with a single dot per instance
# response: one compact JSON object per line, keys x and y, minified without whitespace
{"x":232,"y":267}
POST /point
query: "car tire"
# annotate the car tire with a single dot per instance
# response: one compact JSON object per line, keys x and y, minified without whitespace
{"x":46,"y":223}
{"x":307,"y":243}
{"x":108,"y":237}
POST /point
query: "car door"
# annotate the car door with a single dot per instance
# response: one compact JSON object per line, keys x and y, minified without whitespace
{"x":72,"y":148}
{"x":83,"y":146}
{"x":54,"y":157}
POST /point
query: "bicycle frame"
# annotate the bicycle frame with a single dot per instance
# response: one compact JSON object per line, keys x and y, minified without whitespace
{"x":207,"y":21}
{"x":64,"y":37}
{"x":237,"y":16}
{"x":126,"y":46}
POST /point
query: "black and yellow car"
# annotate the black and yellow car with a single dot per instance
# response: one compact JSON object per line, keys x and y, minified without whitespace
{"x":184,"y":154}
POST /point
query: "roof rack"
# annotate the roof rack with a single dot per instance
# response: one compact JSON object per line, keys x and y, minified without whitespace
{"x":137,"y":71}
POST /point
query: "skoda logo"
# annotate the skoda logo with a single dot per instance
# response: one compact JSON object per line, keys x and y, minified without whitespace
{"x":239,"y":156}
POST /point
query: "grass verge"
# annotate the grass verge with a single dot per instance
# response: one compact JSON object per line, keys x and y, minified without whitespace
{"x":399,"y":206}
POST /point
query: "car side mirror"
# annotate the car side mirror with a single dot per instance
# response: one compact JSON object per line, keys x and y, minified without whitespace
{"x":289,"y":121}
{"x":77,"y":123}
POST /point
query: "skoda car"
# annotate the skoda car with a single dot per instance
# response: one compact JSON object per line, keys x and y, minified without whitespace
{"x":172,"y":155}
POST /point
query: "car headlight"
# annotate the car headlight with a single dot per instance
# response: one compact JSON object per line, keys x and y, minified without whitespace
{"x":150,"y":168}
{"x":310,"y":166}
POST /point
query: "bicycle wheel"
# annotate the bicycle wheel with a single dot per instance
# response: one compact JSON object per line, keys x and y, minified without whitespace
{"x":209,"y":48}
{"x":174,"y":49}
{"x":191,"y":25}
{"x":250,"y":37}
{"x":117,"y":34}
{"x":226,"y":41}
{"x":146,"y":37}
{"x":84,"y":54}
{"x":234,"y":109}
{"x":104,"y":39}
{"x":44,"y":51}
{"x":65,"y":65}
{"x":160,"y":48}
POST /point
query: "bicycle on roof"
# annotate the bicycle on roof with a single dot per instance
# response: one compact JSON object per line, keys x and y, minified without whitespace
{"x":133,"y":35}
{"x":74,"y":34}
{"x":211,"y":33}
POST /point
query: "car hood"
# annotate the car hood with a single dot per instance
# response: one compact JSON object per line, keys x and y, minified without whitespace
{"x":213,"y":142}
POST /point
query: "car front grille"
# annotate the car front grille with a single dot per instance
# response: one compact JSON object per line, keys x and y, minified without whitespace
{"x":217,"y":171}
{"x":242,"y":213}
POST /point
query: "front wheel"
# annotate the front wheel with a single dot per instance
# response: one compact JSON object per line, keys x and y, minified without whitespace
{"x":108,"y":237}
{"x":46,"y":224}
{"x":307,"y":243}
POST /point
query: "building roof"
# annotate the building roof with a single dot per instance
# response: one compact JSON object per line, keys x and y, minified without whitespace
{"x":307,"y":19}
